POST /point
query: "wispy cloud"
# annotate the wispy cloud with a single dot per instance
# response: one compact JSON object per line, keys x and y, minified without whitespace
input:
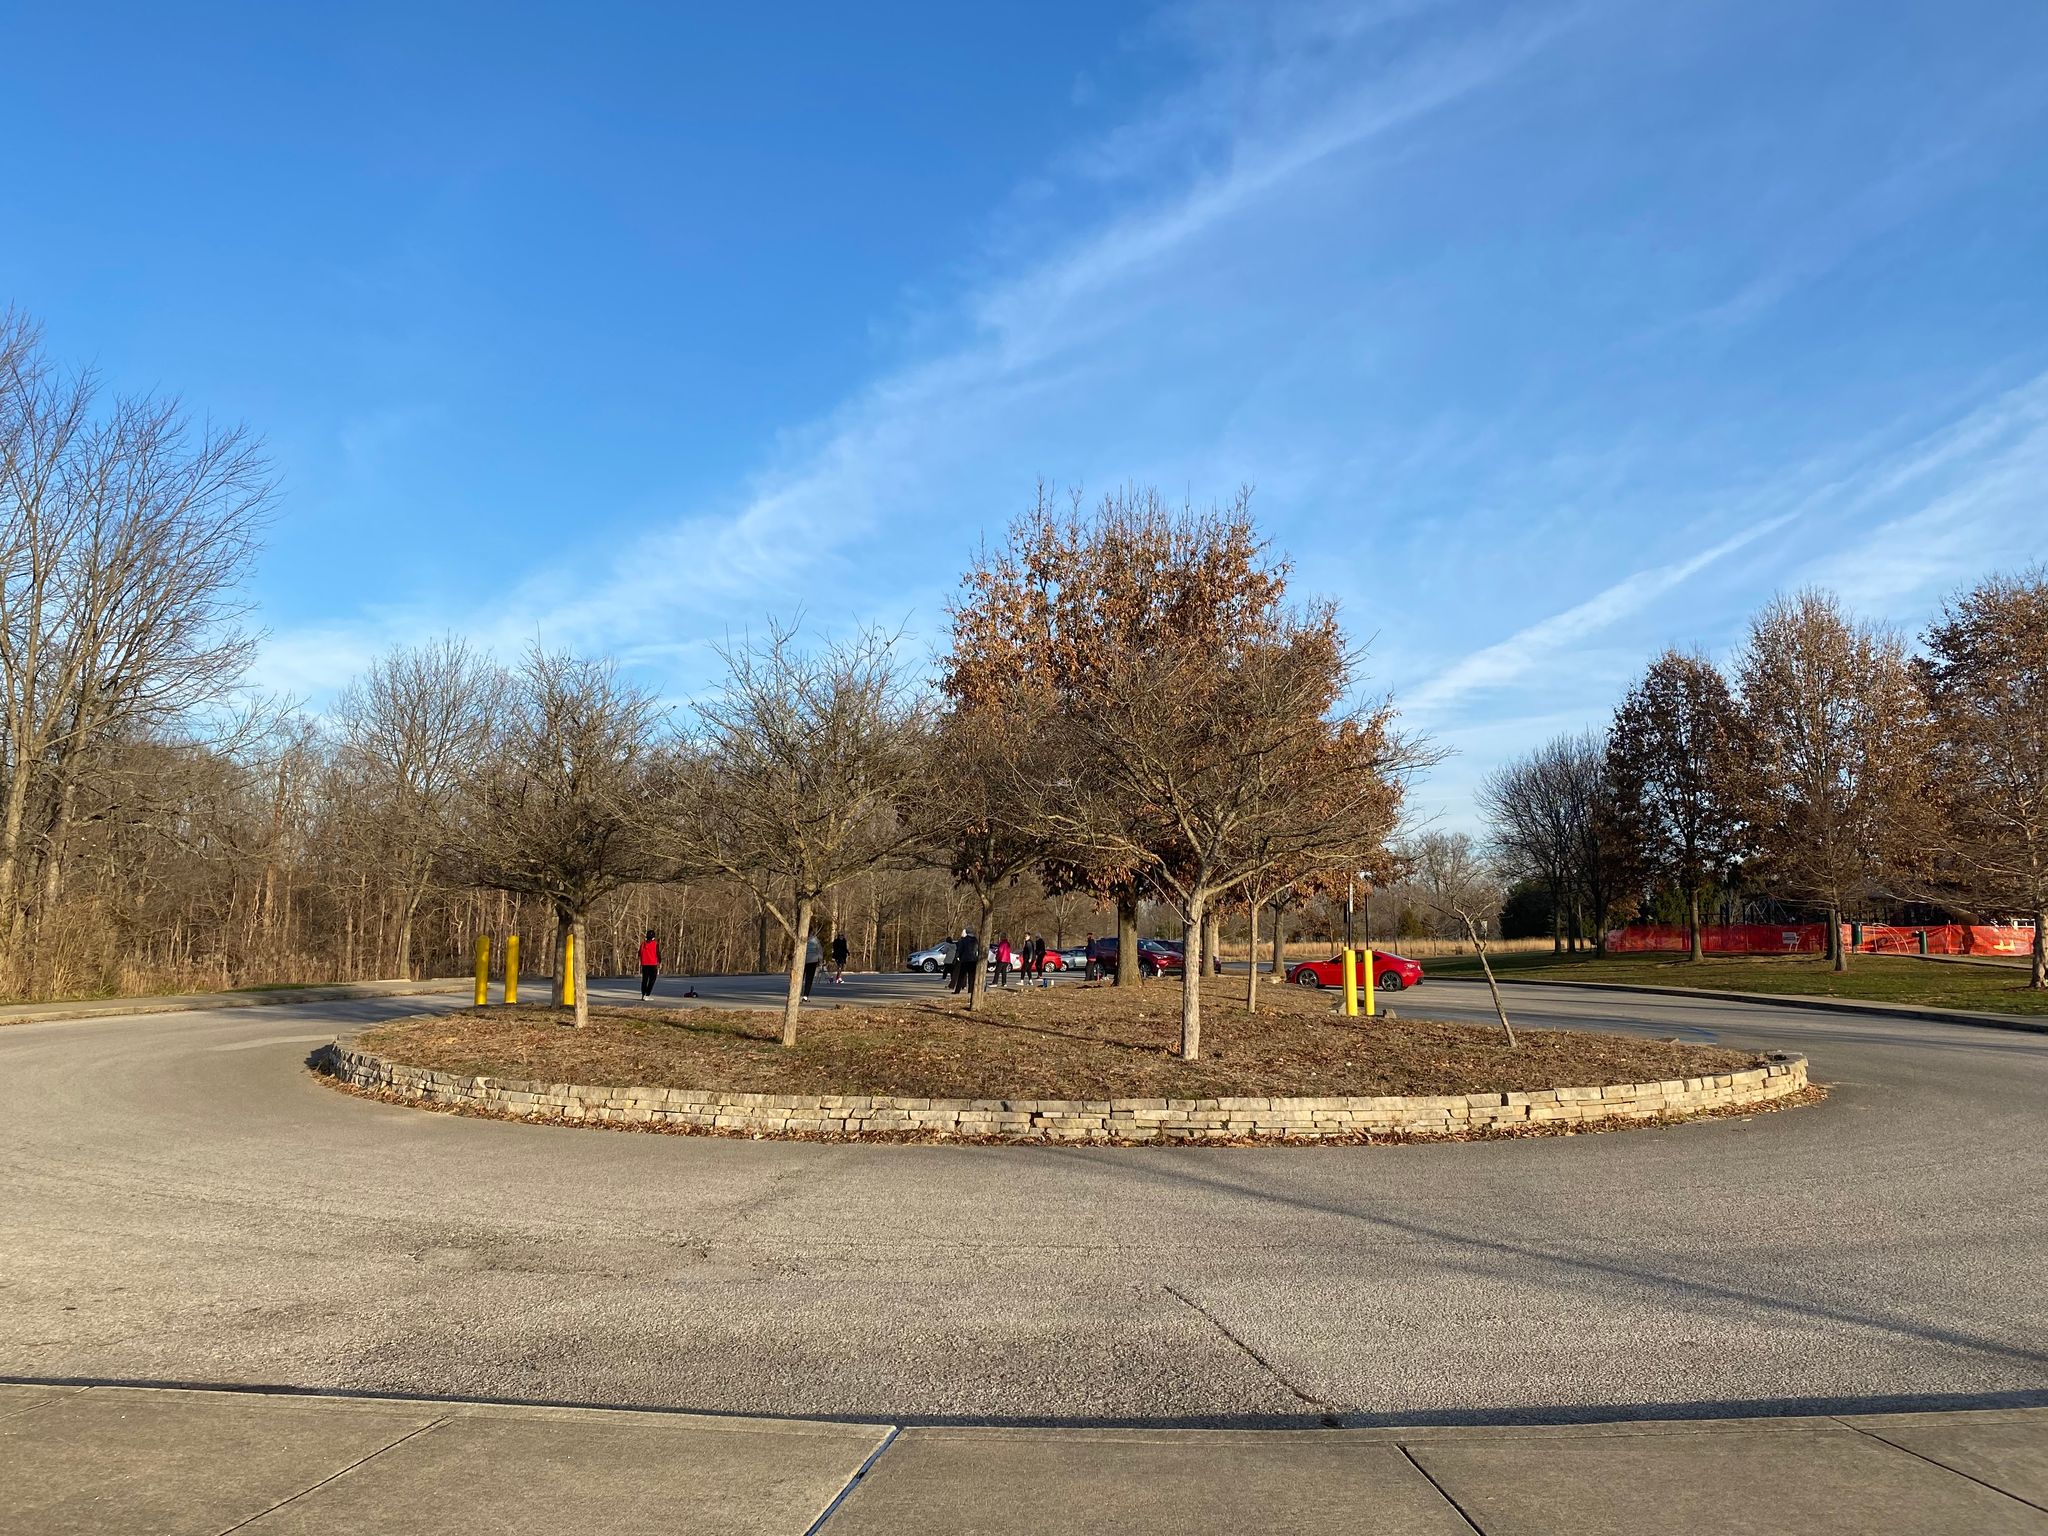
{"x":1950,"y":501}
{"x":1019,"y":336}
{"x":1523,"y":652}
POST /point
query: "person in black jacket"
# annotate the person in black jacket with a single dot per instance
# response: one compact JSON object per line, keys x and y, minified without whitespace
{"x":966,"y":956}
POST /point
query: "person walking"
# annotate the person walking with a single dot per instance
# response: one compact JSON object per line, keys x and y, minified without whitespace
{"x":966,"y":956}
{"x":1034,"y":956}
{"x":650,"y":965}
{"x":814,"y":955}
{"x":1003,"y":955}
{"x":839,"y":959}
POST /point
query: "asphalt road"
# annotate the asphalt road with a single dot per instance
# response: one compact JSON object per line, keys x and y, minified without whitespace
{"x":181,"y":1201}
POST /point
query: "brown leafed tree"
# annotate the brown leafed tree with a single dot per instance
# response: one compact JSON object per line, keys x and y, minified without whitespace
{"x":1986,"y":675}
{"x":969,"y":820}
{"x":797,"y":774}
{"x":1671,"y":763}
{"x":573,"y":801}
{"x":1832,"y":757}
{"x":1200,"y":729}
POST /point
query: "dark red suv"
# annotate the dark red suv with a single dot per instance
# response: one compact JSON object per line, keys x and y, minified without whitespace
{"x":1154,"y":957}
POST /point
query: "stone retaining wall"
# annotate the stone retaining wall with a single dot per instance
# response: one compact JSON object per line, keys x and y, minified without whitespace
{"x":1231,"y":1119}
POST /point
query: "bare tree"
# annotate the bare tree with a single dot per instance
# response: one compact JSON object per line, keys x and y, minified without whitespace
{"x":125,"y":534}
{"x":1986,"y":673}
{"x":1454,"y":881}
{"x":409,"y":735}
{"x":1537,"y":808}
{"x":1832,"y":758}
{"x":797,"y":773}
{"x":574,"y":800}
{"x":1671,"y":764}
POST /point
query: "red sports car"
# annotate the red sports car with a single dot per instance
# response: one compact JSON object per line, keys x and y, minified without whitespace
{"x":1391,"y":972}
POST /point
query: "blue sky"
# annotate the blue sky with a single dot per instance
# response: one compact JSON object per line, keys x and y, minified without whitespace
{"x":1548,"y":334}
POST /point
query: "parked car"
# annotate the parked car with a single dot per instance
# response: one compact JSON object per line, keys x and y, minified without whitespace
{"x":933,"y":959}
{"x":1391,"y":972}
{"x":1073,"y":958}
{"x":1165,"y":955}
{"x":1154,"y":956}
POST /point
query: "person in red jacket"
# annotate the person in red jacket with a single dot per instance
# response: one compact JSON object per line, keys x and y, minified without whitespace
{"x":650,"y":964}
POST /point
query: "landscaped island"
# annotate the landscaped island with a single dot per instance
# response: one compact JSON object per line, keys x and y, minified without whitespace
{"x":1077,"y":1061}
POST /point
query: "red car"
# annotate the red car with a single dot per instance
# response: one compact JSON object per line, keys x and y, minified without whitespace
{"x":1391,"y":972}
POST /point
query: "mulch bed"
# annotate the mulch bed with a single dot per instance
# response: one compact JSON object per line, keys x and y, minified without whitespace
{"x":1068,"y":1042}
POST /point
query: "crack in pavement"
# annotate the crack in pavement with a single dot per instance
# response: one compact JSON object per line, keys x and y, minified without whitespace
{"x":1332,"y":1412}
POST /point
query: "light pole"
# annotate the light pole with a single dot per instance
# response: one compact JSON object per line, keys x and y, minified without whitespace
{"x":1350,"y":911}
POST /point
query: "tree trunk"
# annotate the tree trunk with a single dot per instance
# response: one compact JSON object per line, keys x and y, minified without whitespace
{"x":1491,"y":985}
{"x":1556,"y":918}
{"x":1212,"y":945}
{"x":977,"y":974}
{"x":1279,"y":944}
{"x":581,"y":968}
{"x":1692,"y":925}
{"x":1126,"y":940}
{"x":560,"y":990}
{"x":1835,"y":935}
{"x":1251,"y":985}
{"x":793,"y":1000}
{"x":761,"y":942}
{"x":11,"y":823}
{"x":1193,"y":928}
{"x":2040,"y":977}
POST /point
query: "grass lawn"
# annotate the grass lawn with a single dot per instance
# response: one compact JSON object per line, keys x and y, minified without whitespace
{"x":1067,"y":1042}
{"x":1870,"y":978}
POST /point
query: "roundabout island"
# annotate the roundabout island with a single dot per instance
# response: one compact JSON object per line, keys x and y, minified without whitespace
{"x":1089,"y":1063}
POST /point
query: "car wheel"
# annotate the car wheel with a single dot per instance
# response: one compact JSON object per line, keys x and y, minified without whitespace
{"x":1390,"y":982}
{"x":1307,"y":978}
{"x":930,"y":967}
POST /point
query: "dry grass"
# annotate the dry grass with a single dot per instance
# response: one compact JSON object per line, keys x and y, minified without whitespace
{"x":1414,"y":949}
{"x":1073,"y":1042}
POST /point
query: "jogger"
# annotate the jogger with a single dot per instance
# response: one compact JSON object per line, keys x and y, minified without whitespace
{"x":650,"y":964}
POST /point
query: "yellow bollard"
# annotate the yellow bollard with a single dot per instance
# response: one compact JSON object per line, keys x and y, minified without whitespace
{"x":1351,"y":983}
{"x":569,"y":969}
{"x":483,"y":969}
{"x":511,"y":967}
{"x":1370,"y":964}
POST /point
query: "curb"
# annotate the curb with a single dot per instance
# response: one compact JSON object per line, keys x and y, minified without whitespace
{"x":1038,"y":1121}
{"x":1849,"y":1006}
{"x":207,"y":1002}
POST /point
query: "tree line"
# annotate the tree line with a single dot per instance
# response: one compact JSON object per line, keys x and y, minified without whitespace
{"x":1131,"y":709}
{"x":1829,"y":767}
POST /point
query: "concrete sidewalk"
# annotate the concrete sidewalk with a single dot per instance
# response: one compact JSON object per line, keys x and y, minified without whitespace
{"x":119,"y":1460}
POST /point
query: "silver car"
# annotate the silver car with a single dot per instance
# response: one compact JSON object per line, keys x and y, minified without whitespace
{"x":937,"y":957}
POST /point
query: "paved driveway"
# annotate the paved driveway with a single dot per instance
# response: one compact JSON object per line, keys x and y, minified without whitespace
{"x":181,"y":1201}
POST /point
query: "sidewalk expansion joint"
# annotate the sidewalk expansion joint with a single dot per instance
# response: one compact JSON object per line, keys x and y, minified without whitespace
{"x":1866,"y":1430}
{"x":853,"y":1482}
{"x":333,"y":1476}
{"x":1442,"y":1492}
{"x":1331,"y":1411}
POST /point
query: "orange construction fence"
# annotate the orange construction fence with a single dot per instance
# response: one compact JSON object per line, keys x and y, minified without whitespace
{"x":1811,"y":939}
